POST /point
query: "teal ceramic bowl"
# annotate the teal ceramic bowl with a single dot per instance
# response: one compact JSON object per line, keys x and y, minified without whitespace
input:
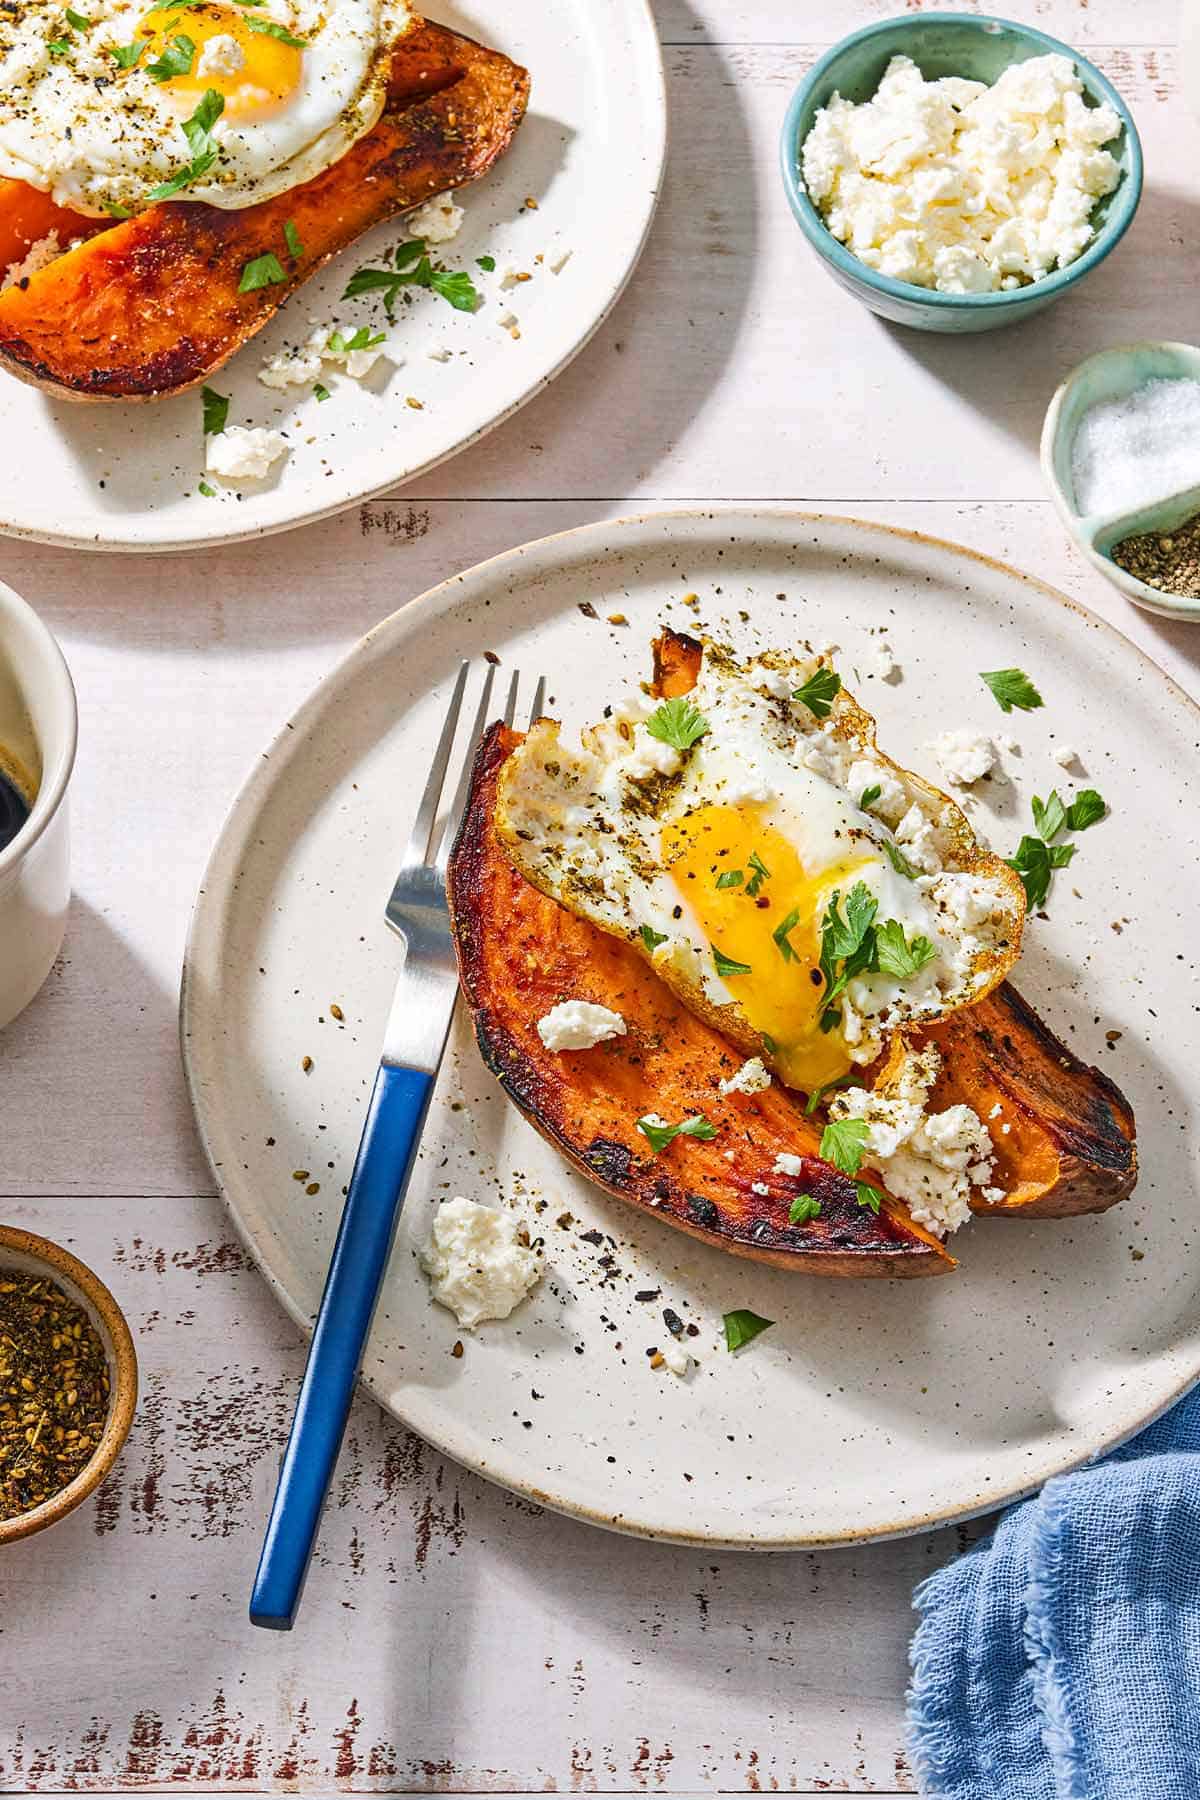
{"x":980,"y":48}
{"x":1113,"y":375}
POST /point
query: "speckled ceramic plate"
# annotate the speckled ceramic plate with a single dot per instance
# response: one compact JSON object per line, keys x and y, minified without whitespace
{"x":870,"y":1408}
{"x":590,"y":153}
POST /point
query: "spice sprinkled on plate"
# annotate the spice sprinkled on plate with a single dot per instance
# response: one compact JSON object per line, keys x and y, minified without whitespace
{"x":54,"y":1391}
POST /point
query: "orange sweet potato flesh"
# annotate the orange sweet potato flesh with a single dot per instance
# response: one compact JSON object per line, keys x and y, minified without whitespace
{"x":151,"y":306}
{"x":520,"y":953}
{"x":1071,"y":1143}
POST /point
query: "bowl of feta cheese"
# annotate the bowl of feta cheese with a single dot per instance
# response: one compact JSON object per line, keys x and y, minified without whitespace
{"x":957,"y":172}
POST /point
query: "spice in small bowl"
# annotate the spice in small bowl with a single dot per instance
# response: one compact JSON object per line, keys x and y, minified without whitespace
{"x":68,"y":1382}
{"x":1166,"y":560}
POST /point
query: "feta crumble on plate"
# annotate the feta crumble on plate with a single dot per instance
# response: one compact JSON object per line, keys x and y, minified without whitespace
{"x":477,"y":1265}
{"x":964,"y":757}
{"x":243,"y":453}
{"x":438,"y":221}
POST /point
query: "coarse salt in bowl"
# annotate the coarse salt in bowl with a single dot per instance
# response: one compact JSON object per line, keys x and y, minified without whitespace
{"x":979,"y":49}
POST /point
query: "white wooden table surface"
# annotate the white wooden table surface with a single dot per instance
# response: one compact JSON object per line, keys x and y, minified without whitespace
{"x":454,"y":1638}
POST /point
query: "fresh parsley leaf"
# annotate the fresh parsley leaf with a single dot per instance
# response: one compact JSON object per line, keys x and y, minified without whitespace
{"x":731,"y":878}
{"x":742,"y":1327}
{"x":263,"y":271}
{"x":898,"y":955}
{"x":76,"y":21}
{"x":457,"y":288}
{"x":659,"y":1135}
{"x":780,"y":934}
{"x":898,"y":859}
{"x":866,"y":1195}
{"x":200,"y":141}
{"x":486,"y":263}
{"x":843,"y":1142}
{"x":725,"y":965}
{"x":176,"y":59}
{"x":58,"y":46}
{"x":319,"y":389}
{"x":761,"y":874}
{"x":677,"y":722}
{"x":1087,"y":808}
{"x":216,"y":411}
{"x":210,"y":493}
{"x":291,"y":238}
{"x":849,"y":940}
{"x":1032,"y":863}
{"x":409,"y":252}
{"x":768,"y":1043}
{"x":1049,"y":816}
{"x":818,"y":1094}
{"x":270,"y":28}
{"x":127,"y":56}
{"x":803,"y":1208}
{"x":869,"y":796}
{"x":652,"y":939}
{"x":412,"y":265}
{"x":1012,"y":687}
{"x":819,"y":692}
{"x":115,"y":211}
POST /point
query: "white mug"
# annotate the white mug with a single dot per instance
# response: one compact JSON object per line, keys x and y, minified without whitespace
{"x":38,"y":724}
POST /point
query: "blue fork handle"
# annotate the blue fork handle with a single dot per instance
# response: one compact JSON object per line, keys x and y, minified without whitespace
{"x":360,"y":1256}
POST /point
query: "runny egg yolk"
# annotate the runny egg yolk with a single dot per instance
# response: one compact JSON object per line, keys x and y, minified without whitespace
{"x":781,"y":995}
{"x":268,"y":71}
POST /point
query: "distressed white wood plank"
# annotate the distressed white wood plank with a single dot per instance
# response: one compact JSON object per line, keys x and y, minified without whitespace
{"x":168,"y":733}
{"x":1078,"y":22}
{"x":452,"y":1637}
{"x":735,"y":365}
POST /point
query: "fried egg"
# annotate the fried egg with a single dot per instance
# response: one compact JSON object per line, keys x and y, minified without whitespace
{"x":723,"y":840}
{"x":234,"y":101}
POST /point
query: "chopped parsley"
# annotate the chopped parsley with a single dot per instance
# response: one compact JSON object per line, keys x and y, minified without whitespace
{"x":1037,"y":857}
{"x":847,"y":945}
{"x":742,"y":1327}
{"x":866,"y":1195}
{"x":263,"y":271}
{"x":760,"y":874}
{"x":731,"y":878}
{"x":678,"y":723}
{"x":803,"y":1208}
{"x":362,"y":339}
{"x":77,"y":22}
{"x":412,"y":267}
{"x":818,"y":1094}
{"x":1049,"y":816}
{"x":819,"y":692}
{"x":843,"y":1142}
{"x":725,"y":965}
{"x":652,"y":939}
{"x":1087,"y":808}
{"x":291,"y":238}
{"x":200,"y":141}
{"x":210,"y":493}
{"x":898,"y":955}
{"x":216,"y":411}
{"x":486,"y":263}
{"x":869,"y":796}
{"x":320,"y":390}
{"x":270,"y":28}
{"x":658,"y":1134}
{"x":176,"y":59}
{"x":1012,"y":687}
{"x":58,"y":46}
{"x":898,"y":860}
{"x":781,"y":931}
{"x":127,"y":56}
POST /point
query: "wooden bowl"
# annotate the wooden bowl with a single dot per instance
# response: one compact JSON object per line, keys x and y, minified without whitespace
{"x":24,"y":1250}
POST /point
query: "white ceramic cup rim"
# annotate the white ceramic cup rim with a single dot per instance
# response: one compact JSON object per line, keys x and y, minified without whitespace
{"x":58,"y":759}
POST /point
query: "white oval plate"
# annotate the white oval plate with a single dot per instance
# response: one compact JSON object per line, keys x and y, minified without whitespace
{"x":590,"y":153}
{"x":870,"y":1408}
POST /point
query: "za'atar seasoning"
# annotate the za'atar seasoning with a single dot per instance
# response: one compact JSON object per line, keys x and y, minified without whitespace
{"x":54,"y":1390}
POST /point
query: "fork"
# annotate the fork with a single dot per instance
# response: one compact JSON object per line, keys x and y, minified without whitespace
{"x":414,"y":1041}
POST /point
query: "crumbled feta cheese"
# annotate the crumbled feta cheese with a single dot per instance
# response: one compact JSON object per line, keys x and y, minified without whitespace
{"x":918,"y":836}
{"x":952,"y":185}
{"x":1066,"y":755}
{"x":993,"y":1195}
{"x":579,"y":1025}
{"x":560,"y":262}
{"x":326,"y":344}
{"x":650,"y":756}
{"x":751,"y":1078}
{"x":38,"y":256}
{"x":886,"y":666}
{"x":964,"y":757}
{"x":761,"y":1188}
{"x":891,"y":802}
{"x":439,"y":354}
{"x":476,"y":1263}
{"x":928,"y":1160}
{"x":771,"y":681}
{"x":221,"y":55}
{"x":787,"y":1163}
{"x":996,"y":1111}
{"x":675,"y":1357}
{"x":439,"y":220}
{"x":241,"y":453}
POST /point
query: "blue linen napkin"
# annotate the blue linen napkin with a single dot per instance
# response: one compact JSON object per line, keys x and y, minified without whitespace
{"x":1059,"y":1659}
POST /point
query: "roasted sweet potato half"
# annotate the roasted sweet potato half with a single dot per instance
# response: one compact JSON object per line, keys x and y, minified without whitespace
{"x":520,"y":953}
{"x":151,"y":306}
{"x":1071,"y":1143}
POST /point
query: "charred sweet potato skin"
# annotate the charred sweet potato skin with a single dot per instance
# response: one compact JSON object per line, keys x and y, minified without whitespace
{"x":151,"y":306}
{"x":520,"y":953}
{"x":1071,"y":1146}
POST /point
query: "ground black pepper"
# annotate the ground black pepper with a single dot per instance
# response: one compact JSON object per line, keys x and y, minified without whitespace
{"x":54,"y":1390}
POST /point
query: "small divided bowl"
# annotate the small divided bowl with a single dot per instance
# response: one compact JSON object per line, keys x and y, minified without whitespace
{"x":979,"y":48}
{"x":1113,"y":375}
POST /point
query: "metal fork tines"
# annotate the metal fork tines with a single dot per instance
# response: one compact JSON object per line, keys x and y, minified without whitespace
{"x":417,"y":908}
